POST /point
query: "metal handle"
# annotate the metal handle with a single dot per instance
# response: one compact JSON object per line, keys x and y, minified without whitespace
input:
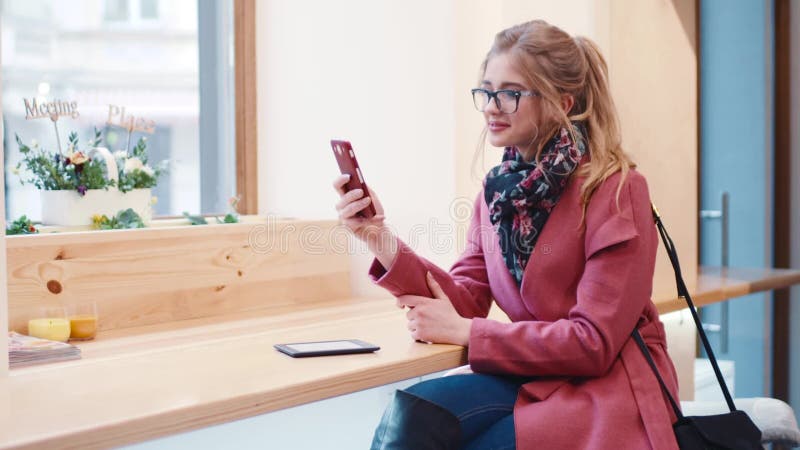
{"x":723,"y":213}
{"x":724,"y":308}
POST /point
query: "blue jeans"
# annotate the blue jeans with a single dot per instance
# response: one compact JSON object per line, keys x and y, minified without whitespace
{"x":484,"y":405}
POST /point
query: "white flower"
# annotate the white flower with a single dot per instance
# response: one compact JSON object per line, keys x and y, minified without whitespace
{"x":120,"y":154}
{"x":148,"y":170}
{"x":34,"y":143}
{"x":132,"y":164}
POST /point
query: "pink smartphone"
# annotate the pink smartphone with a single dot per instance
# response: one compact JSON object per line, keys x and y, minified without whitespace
{"x":348,"y":164}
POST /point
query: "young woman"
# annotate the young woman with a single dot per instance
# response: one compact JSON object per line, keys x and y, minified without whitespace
{"x":563,"y":239}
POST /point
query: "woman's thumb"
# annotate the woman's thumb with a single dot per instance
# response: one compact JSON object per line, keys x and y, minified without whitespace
{"x":436,"y":289}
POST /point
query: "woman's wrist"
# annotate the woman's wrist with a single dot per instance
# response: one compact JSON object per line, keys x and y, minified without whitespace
{"x":383,"y":244}
{"x":467,"y":332}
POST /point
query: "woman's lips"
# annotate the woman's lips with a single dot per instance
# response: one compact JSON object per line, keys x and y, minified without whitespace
{"x":497,"y":126}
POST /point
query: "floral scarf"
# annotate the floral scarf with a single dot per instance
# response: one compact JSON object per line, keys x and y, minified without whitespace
{"x":520,"y":195}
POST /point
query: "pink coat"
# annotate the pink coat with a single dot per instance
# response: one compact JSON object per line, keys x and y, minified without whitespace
{"x":582,"y":294}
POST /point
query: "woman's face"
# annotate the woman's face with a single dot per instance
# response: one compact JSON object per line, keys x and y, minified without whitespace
{"x":510,"y":129}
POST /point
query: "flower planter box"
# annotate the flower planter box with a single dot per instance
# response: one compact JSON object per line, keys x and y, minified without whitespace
{"x":69,"y":208}
{"x":62,"y":177}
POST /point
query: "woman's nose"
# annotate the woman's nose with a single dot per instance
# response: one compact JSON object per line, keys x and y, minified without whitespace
{"x":491,"y":107}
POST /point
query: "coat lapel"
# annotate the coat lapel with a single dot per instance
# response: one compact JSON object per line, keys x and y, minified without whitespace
{"x":498,"y":264}
{"x":555,"y":220}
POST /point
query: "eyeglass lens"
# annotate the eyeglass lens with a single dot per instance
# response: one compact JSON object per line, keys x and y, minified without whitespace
{"x":505,"y":101}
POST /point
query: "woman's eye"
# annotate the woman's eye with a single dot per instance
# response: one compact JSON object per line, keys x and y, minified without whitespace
{"x":506,"y":95}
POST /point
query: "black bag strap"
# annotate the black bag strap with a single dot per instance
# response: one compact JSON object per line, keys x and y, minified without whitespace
{"x":640,"y":342}
{"x":682,"y":292}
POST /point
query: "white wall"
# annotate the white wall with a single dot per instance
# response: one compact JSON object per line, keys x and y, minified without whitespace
{"x":393,"y":77}
{"x":375,"y":73}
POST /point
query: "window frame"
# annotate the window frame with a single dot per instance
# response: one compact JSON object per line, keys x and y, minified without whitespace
{"x":244,"y":25}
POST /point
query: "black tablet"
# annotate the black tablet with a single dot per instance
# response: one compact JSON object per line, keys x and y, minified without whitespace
{"x":326,"y":348}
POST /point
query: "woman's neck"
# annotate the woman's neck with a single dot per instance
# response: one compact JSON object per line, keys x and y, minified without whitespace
{"x":528,"y":153}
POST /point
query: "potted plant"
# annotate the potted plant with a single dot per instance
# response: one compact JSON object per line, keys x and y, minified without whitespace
{"x":78,"y":185}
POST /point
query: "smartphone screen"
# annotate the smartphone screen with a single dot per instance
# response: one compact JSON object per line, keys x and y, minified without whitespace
{"x":346,"y":158}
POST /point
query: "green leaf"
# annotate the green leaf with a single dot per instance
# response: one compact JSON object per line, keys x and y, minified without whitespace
{"x":23,"y":225}
{"x":95,"y":142}
{"x":195,"y":220}
{"x":22,"y":147}
{"x":73,"y":141}
{"x":140,"y":150}
{"x":124,"y":219}
{"x":129,"y":219}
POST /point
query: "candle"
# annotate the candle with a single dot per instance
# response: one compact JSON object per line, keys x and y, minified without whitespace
{"x":54,"y":328}
{"x":83,"y":318}
{"x":83,"y":326}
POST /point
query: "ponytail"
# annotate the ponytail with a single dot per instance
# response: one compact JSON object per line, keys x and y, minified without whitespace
{"x":596,"y":107}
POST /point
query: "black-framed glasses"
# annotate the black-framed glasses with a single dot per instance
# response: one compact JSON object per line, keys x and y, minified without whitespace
{"x":507,"y":100}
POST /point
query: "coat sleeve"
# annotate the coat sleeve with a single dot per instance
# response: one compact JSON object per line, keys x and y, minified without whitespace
{"x":466,"y":284}
{"x":620,"y":247}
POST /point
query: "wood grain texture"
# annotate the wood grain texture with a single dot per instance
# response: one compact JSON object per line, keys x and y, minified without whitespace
{"x":136,"y":387}
{"x":141,"y":277}
{"x":246,"y":119}
{"x":716,"y":284}
{"x":140,"y":383}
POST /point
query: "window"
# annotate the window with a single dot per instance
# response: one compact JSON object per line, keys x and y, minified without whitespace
{"x":148,"y":9}
{"x":170,"y":62}
{"x":116,"y":10}
{"x":133,"y":11}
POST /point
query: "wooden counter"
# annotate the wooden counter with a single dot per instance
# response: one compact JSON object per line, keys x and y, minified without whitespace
{"x":131,"y":387}
{"x":715,"y":284}
{"x":135,"y":384}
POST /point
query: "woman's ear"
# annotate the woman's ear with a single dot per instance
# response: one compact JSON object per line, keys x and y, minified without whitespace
{"x":567,"y":102}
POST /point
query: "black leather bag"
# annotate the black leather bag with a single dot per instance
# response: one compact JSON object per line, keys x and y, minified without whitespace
{"x":734,"y":430}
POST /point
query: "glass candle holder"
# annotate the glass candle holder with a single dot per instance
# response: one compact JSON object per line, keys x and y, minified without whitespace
{"x":83,"y":321}
{"x":51,"y":323}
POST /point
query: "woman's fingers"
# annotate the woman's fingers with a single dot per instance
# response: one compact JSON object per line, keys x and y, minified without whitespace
{"x":351,"y":203}
{"x":349,"y":197}
{"x":353,"y":207}
{"x":435,"y":287}
{"x":339,"y":182}
{"x":412,"y":300}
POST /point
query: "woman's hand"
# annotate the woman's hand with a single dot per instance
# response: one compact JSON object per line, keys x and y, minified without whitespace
{"x":435,"y":319}
{"x":350,"y":203}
